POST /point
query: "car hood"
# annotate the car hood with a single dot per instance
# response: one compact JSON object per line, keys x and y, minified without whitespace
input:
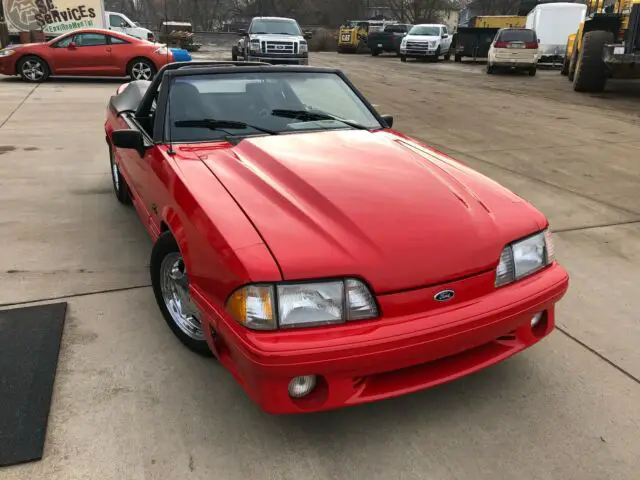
{"x":423,"y":38}
{"x":370,"y":204}
{"x":20,"y":46}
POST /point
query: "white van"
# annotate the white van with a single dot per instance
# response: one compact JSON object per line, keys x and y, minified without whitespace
{"x":119,"y":22}
{"x":553,"y":23}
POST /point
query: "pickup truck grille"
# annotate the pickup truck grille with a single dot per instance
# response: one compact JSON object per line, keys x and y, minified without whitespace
{"x":421,"y":45}
{"x":283,"y":48}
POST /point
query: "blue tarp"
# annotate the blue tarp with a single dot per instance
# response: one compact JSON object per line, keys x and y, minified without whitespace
{"x":181,"y":55}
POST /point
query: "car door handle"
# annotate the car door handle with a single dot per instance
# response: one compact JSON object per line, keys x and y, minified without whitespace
{"x":108,"y":49}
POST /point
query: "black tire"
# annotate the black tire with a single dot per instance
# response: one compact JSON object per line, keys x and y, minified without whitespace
{"x":361,"y":47}
{"x":234,"y":53}
{"x":375,"y":52}
{"x":120,"y":187}
{"x":167,"y":248}
{"x":403,"y":58}
{"x":565,"y":62}
{"x":591,"y":72}
{"x":489,"y":69}
{"x":141,"y":68}
{"x":447,"y":56}
{"x":532,"y":72}
{"x":572,"y":64}
{"x":33,"y":69}
{"x":457,"y":59}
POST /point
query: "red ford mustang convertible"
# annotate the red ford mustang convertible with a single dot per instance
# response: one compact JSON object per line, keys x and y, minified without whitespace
{"x":325,"y":259}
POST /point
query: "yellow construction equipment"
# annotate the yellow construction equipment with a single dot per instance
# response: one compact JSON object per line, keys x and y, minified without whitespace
{"x":607,"y":45}
{"x":498,"y":21}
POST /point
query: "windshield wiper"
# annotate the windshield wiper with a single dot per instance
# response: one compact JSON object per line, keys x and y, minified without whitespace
{"x":283,"y":33}
{"x":220,"y":125}
{"x":309,"y":115}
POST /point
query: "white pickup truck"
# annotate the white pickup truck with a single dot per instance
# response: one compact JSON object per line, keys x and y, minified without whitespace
{"x":426,"y":41}
{"x":273,"y":40}
{"x":119,"y":22}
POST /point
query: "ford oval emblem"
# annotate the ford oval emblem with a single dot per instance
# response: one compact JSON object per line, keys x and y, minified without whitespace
{"x":444,"y":296}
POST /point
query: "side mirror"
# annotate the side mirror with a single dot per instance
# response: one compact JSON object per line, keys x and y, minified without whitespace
{"x":307,"y":35}
{"x":72,"y":45}
{"x":444,"y":35}
{"x":242,"y":33}
{"x":131,"y":139}
{"x":388,"y":120}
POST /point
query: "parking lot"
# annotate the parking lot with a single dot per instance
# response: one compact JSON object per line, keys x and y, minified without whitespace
{"x":130,"y":402}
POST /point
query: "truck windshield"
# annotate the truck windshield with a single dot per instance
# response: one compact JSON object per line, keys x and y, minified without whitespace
{"x":283,"y":27}
{"x":212,"y":107}
{"x":424,"y":30}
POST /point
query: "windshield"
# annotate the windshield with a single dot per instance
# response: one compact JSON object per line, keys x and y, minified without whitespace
{"x":424,"y":30}
{"x":275,"y":102}
{"x":284,"y":27}
{"x":517,"y":35}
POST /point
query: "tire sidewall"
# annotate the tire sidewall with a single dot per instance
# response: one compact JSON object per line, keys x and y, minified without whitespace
{"x":121,"y":189}
{"x":165,"y":245}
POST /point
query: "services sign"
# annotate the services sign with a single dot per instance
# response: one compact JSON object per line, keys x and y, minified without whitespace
{"x":52,"y":16}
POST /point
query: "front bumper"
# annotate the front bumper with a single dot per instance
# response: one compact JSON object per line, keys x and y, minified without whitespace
{"x":275,"y":60}
{"x":415,"y":53}
{"x":8,"y":65}
{"x":390,"y":356}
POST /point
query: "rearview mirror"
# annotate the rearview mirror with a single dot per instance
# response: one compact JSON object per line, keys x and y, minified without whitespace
{"x":130,"y":139}
{"x":388,"y":120}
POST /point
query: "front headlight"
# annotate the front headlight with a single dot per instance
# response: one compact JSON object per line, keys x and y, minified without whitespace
{"x":403,"y":43}
{"x":162,"y":51}
{"x":290,"y":305}
{"x":303,"y":47}
{"x":254,"y":45}
{"x":524,"y":257}
{"x":6,"y":52}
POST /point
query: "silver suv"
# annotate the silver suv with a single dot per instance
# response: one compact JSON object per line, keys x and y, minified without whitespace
{"x":273,"y":40}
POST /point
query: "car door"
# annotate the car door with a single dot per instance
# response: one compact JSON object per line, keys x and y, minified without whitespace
{"x":446,"y":40}
{"x":117,"y":23}
{"x":87,"y":54}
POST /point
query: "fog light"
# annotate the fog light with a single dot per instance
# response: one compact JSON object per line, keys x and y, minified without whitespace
{"x":301,"y":386}
{"x":535,"y":320}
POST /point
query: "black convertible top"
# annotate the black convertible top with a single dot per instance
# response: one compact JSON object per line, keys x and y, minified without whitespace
{"x":129,"y":99}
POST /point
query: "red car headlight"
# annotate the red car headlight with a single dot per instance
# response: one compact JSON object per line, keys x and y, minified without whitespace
{"x":524,"y":257}
{"x":292,"y":305}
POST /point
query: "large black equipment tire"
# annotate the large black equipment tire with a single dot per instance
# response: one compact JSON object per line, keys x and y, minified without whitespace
{"x":591,"y":71}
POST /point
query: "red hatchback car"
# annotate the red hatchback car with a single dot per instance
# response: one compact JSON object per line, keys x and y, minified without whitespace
{"x":85,"y":52}
{"x":325,"y":259}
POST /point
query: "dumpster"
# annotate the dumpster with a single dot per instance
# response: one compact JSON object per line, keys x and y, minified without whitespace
{"x":472,"y":42}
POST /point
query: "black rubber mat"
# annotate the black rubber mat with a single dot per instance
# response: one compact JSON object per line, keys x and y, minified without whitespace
{"x":29,"y":346}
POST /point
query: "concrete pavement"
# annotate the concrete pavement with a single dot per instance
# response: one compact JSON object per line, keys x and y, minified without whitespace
{"x":131,"y":403}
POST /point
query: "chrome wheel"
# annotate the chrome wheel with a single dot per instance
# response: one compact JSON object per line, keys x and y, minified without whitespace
{"x":33,"y":70}
{"x":141,"y":71}
{"x":174,"y":284}
{"x":115,"y":174}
